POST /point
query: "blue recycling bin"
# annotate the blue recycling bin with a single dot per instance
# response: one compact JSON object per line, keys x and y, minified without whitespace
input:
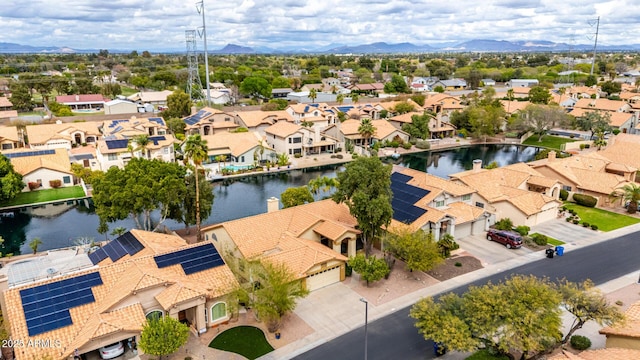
{"x":559,"y":250}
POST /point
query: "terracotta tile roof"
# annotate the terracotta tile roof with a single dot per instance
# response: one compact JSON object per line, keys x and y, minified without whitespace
{"x":431,"y":216}
{"x":5,"y":102}
{"x":153,"y":242}
{"x":383,"y":128}
{"x":463,"y":212}
{"x":113,"y":309}
{"x":617,"y":118}
{"x":623,"y":149}
{"x":7,"y":114}
{"x":599,"y":354}
{"x":625,"y":95}
{"x":234,"y":143}
{"x":630,"y":328}
{"x":602,"y":104}
{"x":434,"y":183}
{"x":58,"y":161}
{"x":448,"y":101}
{"x":131,"y":127}
{"x":104,"y":149}
{"x":9,"y":133}
{"x":283,"y":129}
{"x":175,"y":294}
{"x":332,"y":230}
{"x":81,"y":98}
{"x":582,"y":90}
{"x":390,"y":105}
{"x":405,"y":118}
{"x":151,"y":96}
{"x":40,"y":134}
{"x":254,"y":118}
{"x":542,"y":181}
{"x":514,"y":106}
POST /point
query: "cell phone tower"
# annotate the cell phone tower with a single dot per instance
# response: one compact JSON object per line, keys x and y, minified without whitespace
{"x":595,"y":44}
{"x":194,"y":86}
{"x":203,"y":34}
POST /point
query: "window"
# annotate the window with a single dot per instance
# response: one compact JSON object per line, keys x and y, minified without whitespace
{"x":440,"y":203}
{"x":218,"y":311}
{"x":297,"y":140}
{"x":466,"y":197}
{"x":154,"y":315}
{"x":7,"y":146}
{"x":66,"y":179}
{"x":480,"y":205}
{"x":112,"y":157}
{"x":297,"y":151}
{"x":566,"y":187}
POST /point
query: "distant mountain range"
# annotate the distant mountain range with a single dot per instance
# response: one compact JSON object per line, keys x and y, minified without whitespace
{"x":478,"y":45}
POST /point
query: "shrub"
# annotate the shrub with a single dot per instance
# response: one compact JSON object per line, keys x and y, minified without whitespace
{"x":463,"y":133}
{"x":580,"y":342}
{"x":523,"y":230}
{"x":564,"y":208}
{"x":406,"y":146}
{"x":582,"y":146}
{"x":569,"y":219}
{"x":585,"y":200}
{"x":423,"y":144}
{"x":572,"y":212}
{"x":33,"y":185}
{"x":564,"y":194}
{"x":339,"y":156}
{"x":348,"y":270}
{"x":297,"y":155}
{"x":616,"y":131}
{"x":594,"y":227}
{"x":504,"y":224}
{"x":458,"y":264}
{"x":585,"y":224}
{"x":587,"y":146}
{"x":539,"y":239}
{"x":511,"y":135}
{"x":55,"y":183}
{"x":576,"y":221}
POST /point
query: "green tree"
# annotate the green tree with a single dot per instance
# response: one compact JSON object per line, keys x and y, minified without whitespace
{"x":119,"y":231}
{"x":492,"y":165}
{"x":10,"y":181}
{"x":313,"y":94}
{"x":417,"y":249}
{"x":176,"y":125}
{"x":418,"y":127}
{"x":541,"y":118}
{"x":185,"y":211}
{"x":520,"y":314}
{"x":34,"y":244}
{"x":322,"y":183}
{"x":295,"y":196}
{"x":280,"y":82}
{"x":591,"y":80}
{"x":256,"y":87}
{"x":629,"y":193}
{"x":21,"y":97}
{"x":539,"y":95}
{"x":163,"y":336}
{"x":365,"y":186}
{"x":403,"y":107}
{"x":418,"y":99}
{"x":366,"y":130}
{"x":178,"y":105}
{"x":611,"y":87}
{"x":277,"y":293}
{"x":195,"y":150}
{"x":354,"y":98}
{"x":142,"y":141}
{"x":370,"y":268}
{"x":340,"y":98}
{"x":396,"y":85}
{"x":137,"y":190}
{"x":586,"y":303}
{"x":594,"y":121}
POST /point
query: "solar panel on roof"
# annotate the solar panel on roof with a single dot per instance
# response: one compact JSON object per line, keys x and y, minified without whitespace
{"x":117,"y":144}
{"x":130,"y":243}
{"x":404,"y":198}
{"x":46,"y":307}
{"x":157,"y":120}
{"x":193,"y":259}
{"x":97,"y":256}
{"x":30,"y":153}
{"x":115,"y":250}
{"x":156,"y":139}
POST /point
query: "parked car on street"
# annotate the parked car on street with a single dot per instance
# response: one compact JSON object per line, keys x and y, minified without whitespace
{"x":509,"y":239}
{"x":112,"y":351}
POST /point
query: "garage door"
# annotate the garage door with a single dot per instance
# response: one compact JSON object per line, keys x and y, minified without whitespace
{"x":463,"y":230}
{"x":478,"y":227}
{"x":324,"y":278}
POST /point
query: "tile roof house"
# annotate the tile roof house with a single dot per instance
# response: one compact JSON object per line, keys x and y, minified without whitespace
{"x":623,"y":121}
{"x":592,"y":174}
{"x":603,"y":105}
{"x":311,"y":240}
{"x":435,"y":205}
{"x":437,"y":126}
{"x":82,"y":101}
{"x":516,"y":191}
{"x":444,"y":103}
{"x":452,"y":84}
{"x":209,"y":121}
{"x":258,"y":120}
{"x":156,"y":98}
{"x":626,"y":335}
{"x":101,"y":302}
{"x":239,"y":149}
{"x":623,"y":149}
{"x":599,"y":354}
{"x":5,"y":108}
{"x":9,"y":138}
{"x":43,"y":167}
{"x":118,"y":149}
{"x":63,"y":135}
{"x":348,"y":130}
{"x":512,"y":107}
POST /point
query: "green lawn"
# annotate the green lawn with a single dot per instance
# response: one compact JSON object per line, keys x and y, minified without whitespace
{"x":606,"y":220}
{"x":248,"y":341}
{"x":551,"y":241}
{"x":485,"y":355}
{"x":39,"y":196}
{"x":548,"y":141}
{"x":127,"y":91}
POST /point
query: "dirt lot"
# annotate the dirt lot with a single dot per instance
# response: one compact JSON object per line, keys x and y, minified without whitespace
{"x":450,"y":268}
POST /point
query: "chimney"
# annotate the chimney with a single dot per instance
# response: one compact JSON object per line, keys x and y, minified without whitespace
{"x":77,"y":97}
{"x":273,"y":204}
{"x":551,"y":156}
{"x":477,"y":165}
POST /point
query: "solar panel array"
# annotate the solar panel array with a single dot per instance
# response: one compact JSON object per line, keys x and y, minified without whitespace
{"x":157,"y":120}
{"x":46,"y":307}
{"x":192,"y":260}
{"x":156,"y":139}
{"x":30,"y":153}
{"x":345,"y":109}
{"x":404,"y":198}
{"x":116,"y":249}
{"x":115,"y":123}
{"x":195,"y":118}
{"x":117,"y":144}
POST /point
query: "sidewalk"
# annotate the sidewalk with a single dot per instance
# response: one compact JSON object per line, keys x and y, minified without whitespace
{"x":329,"y":321}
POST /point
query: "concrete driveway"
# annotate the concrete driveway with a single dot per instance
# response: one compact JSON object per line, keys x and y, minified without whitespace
{"x":567,"y":232}
{"x":490,"y":252}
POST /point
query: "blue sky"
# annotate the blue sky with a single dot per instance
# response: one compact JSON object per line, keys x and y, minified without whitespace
{"x":161,"y":24}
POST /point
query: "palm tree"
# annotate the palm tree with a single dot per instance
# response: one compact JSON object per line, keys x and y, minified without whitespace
{"x":313,"y":94}
{"x":366,"y":129}
{"x":195,"y":149}
{"x":141,"y":144}
{"x":34,"y":244}
{"x":340,"y":99}
{"x":220,"y":159}
{"x":561,"y":91}
{"x":510,"y":96}
{"x":119,"y":231}
{"x":323,"y":183}
{"x":630,"y":193}
{"x":355,"y":98}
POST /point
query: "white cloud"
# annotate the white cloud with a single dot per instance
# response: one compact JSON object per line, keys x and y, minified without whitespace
{"x":160,"y":24}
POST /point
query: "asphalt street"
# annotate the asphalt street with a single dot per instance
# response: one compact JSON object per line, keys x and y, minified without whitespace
{"x":395,"y":337}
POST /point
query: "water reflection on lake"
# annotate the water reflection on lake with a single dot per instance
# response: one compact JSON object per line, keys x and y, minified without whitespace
{"x":61,"y":225}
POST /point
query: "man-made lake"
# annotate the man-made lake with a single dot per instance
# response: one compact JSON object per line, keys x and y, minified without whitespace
{"x":62,"y":225}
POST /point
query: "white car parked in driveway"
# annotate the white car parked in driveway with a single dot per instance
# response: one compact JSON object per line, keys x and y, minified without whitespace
{"x":112,"y":351}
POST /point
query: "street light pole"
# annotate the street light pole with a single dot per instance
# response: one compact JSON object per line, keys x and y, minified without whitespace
{"x":366,"y":320}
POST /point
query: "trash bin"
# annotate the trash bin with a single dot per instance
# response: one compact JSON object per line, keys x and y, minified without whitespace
{"x":439,"y":349}
{"x":559,"y":250}
{"x":549,"y":253}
